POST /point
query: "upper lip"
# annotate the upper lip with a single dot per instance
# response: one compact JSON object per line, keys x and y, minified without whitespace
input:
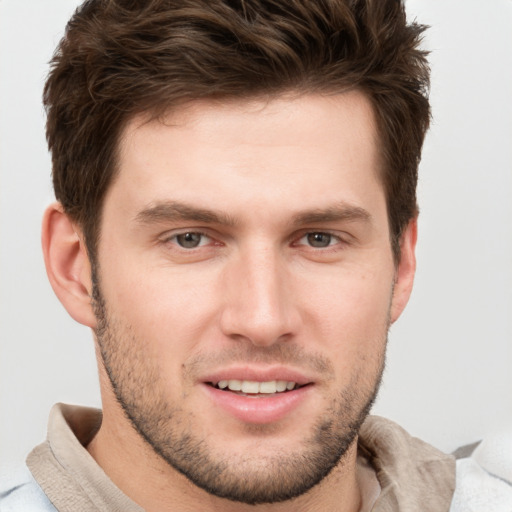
{"x":261,"y":374}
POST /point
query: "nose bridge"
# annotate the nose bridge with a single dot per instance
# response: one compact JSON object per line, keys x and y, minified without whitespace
{"x":258,"y":302}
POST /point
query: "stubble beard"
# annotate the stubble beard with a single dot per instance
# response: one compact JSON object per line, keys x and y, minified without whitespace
{"x":169,"y":430}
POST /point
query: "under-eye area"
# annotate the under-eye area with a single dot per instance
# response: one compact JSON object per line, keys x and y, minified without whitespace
{"x":249,"y":387}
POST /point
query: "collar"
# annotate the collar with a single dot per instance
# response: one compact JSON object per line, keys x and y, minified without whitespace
{"x":413,"y":475}
{"x":65,"y":470}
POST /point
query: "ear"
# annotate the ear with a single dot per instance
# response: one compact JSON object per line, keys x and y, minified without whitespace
{"x":67,"y":264}
{"x":404,"y":275}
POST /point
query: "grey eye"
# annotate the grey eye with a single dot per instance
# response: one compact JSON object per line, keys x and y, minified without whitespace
{"x":189,"y":240}
{"x":319,"y":239}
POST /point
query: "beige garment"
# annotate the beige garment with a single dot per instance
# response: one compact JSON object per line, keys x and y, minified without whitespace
{"x":413,"y":476}
{"x":63,"y":468}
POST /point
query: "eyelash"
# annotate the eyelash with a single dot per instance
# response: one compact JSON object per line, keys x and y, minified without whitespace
{"x":332,"y":236}
{"x":173,"y":239}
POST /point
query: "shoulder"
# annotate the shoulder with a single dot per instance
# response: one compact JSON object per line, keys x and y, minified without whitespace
{"x":413,"y":475}
{"x":484,"y":478}
{"x":19,"y":492}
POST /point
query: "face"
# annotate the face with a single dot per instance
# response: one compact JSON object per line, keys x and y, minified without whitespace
{"x":244,"y":288}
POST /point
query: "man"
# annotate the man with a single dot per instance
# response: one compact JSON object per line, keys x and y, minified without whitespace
{"x":236,"y":222}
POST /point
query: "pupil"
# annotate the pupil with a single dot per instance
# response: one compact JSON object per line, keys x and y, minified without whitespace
{"x":319,"y":239}
{"x":189,"y":240}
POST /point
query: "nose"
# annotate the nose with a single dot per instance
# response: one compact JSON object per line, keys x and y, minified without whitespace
{"x":258,"y":299}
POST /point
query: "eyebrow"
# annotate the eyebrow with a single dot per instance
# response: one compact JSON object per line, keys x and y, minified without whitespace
{"x":173,"y":211}
{"x":337,"y":213}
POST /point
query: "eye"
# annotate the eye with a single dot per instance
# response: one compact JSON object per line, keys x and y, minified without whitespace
{"x":319,"y":239}
{"x":190,"y":239}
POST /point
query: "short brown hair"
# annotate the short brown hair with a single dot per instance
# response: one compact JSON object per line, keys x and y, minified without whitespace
{"x":120,"y":58}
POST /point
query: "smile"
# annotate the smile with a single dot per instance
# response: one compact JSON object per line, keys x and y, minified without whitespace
{"x":252,"y":387}
{"x":258,"y":401}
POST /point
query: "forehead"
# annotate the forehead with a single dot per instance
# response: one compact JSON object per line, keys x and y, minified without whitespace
{"x":298,"y":118}
{"x":315,"y":147}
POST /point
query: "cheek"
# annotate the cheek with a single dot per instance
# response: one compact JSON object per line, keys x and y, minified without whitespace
{"x":163,"y":308}
{"x":350,"y":313}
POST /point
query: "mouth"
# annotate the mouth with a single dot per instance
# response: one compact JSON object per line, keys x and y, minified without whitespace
{"x":258,"y":399}
{"x":254,"y":388}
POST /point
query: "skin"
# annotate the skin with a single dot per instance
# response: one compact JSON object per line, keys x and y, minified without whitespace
{"x":255,"y":294}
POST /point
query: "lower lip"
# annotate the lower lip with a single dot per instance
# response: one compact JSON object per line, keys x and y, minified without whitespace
{"x":258,"y":409}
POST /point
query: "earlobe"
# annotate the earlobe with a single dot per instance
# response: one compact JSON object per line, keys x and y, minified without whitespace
{"x":67,"y":264}
{"x":404,"y":276}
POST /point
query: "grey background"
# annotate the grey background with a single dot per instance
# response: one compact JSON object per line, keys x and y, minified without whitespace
{"x":449,"y":377}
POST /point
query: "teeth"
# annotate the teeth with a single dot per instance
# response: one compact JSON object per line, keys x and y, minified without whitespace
{"x":281,"y":385}
{"x":268,"y":387}
{"x":235,"y":385}
{"x":250,"y":386}
{"x":253,"y":387}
